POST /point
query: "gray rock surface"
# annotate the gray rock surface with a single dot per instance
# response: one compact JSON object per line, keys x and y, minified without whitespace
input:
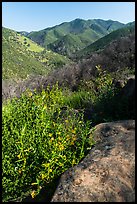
{"x":107,"y":173}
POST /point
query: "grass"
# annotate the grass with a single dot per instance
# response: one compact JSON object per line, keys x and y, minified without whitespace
{"x":22,"y":57}
{"x":17,"y":62}
{"x":32,"y":46}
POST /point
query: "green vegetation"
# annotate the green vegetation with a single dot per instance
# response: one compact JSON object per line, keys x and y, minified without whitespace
{"x":82,"y":32}
{"x":46,"y":132}
{"x":67,"y":45}
{"x":32,"y":45}
{"x":16,"y":61}
{"x":93,"y":97}
{"x":109,"y":105}
{"x":22,"y":57}
{"x":51,"y":59}
{"x":40,"y":141}
{"x":79,"y":100}
{"x":106,"y":40}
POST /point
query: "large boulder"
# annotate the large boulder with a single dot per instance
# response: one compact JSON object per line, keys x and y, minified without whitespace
{"x":107,"y":173}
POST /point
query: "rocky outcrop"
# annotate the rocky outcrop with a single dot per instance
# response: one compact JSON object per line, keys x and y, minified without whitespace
{"x":107,"y":173}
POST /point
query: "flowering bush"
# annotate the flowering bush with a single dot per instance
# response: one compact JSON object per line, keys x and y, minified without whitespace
{"x":40,"y":141}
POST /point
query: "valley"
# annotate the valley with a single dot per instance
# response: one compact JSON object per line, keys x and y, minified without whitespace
{"x":58,"y":84}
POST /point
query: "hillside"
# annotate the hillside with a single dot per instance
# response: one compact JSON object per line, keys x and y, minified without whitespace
{"x":118,"y":58}
{"x":66,"y":45}
{"x":48,"y":127}
{"x":22,"y":57}
{"x":104,"y":41}
{"x":83,"y":32}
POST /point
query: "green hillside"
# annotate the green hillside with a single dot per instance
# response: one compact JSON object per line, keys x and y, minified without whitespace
{"x":51,"y":59}
{"x":104,"y":41}
{"x":16,"y":59}
{"x":83,"y":32}
{"x":66,"y":45}
{"x":22,"y":57}
{"x":51,"y":105}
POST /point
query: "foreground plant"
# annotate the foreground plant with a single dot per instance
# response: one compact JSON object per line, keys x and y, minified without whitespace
{"x":40,"y":141}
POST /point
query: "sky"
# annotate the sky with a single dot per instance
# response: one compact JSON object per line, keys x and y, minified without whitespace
{"x":34,"y":16}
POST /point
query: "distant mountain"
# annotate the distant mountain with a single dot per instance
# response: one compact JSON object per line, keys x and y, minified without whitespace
{"x":37,"y":52}
{"x":117,"y":58}
{"x":104,"y":41}
{"x":22,"y":57}
{"x":66,"y":45}
{"x":81,"y":33}
{"x":23,"y":33}
{"x":130,"y":23}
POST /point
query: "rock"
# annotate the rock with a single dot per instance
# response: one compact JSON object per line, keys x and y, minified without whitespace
{"x":127,"y":95}
{"x":129,"y":89}
{"x":107,"y":173}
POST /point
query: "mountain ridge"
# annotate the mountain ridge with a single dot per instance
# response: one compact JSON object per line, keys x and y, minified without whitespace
{"x":104,"y":41}
{"x":87,"y":31}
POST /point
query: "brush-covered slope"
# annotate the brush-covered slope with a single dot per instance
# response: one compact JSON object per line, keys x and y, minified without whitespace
{"x":118,"y":58}
{"x":104,"y":41}
{"x":22,"y":57}
{"x":66,"y":45}
{"x":83,"y":32}
{"x":17,"y":62}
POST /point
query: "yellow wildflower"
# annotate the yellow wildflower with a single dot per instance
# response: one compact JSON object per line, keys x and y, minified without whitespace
{"x":73,"y":131}
{"x":59,"y":133}
{"x":50,"y":134}
{"x":72,"y":143}
{"x":33,"y":194}
{"x":67,"y":137}
{"x":73,"y":161}
{"x":44,"y":107}
{"x":61,"y":147}
{"x":73,"y":140}
{"x":20,"y":171}
{"x":43,"y":176}
{"x":46,"y":165}
{"x":30,"y":94}
{"x":59,"y":138}
{"x":34,"y":184}
{"x":51,"y":139}
{"x":19,"y":156}
{"x":27,"y":150}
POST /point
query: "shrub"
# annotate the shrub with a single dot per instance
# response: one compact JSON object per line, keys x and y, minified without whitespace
{"x":110,"y":104}
{"x":79,"y":100}
{"x":40,"y":141}
{"x":105,"y":92}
